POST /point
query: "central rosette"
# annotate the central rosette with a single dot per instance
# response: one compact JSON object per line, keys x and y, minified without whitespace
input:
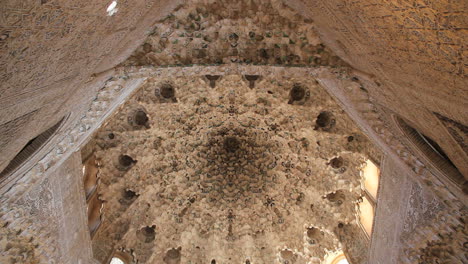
{"x":238,"y":164}
{"x":231,"y":144}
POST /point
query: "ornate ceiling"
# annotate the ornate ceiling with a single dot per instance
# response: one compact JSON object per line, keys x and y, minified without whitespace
{"x":230,"y":167}
{"x":217,"y":32}
{"x":226,"y":149}
{"x":229,"y":172}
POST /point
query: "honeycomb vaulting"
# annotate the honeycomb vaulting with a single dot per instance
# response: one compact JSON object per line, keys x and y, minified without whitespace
{"x":229,"y":172}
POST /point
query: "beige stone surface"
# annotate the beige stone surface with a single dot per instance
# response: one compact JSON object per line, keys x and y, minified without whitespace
{"x":247,"y":169}
{"x":377,"y":59}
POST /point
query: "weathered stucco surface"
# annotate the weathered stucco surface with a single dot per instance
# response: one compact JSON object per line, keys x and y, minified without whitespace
{"x":49,"y":51}
{"x":377,"y":59}
{"x":230,"y":172}
{"x":415,"y":51}
{"x":49,"y":220}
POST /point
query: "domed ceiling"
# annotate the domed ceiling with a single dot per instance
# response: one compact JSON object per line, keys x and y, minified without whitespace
{"x":230,"y":167}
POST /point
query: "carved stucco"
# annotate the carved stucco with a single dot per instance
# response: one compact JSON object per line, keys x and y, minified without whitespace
{"x":430,"y":182}
{"x":51,"y":217}
{"x":263,"y":202}
{"x":434,"y":89}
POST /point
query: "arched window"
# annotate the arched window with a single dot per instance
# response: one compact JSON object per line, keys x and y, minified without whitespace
{"x":342,"y":261}
{"x":366,"y":215}
{"x":370,"y":174}
{"x":121,"y":256}
{"x":433,"y":153}
{"x":32,"y":147}
{"x":116,"y":260}
{"x":336,"y":258}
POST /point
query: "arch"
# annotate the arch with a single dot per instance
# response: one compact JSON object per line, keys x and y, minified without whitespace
{"x":121,"y":257}
{"x":30,"y":149}
{"x":336,"y":258}
{"x":341,"y":260}
{"x":117,"y":260}
{"x":432,"y":153}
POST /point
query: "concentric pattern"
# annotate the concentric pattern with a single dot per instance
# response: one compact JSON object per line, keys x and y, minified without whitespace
{"x":228,"y":173}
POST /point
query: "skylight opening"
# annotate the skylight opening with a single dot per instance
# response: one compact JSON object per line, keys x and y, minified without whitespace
{"x":112,"y":8}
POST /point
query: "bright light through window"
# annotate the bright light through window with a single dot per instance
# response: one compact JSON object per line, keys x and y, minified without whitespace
{"x":366,"y":215}
{"x":119,"y":261}
{"x":112,"y":8}
{"x":371,"y":178}
{"x":336,"y":258}
{"x":343,"y":261}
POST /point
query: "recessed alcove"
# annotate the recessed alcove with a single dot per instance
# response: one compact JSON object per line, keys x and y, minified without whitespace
{"x":125,"y":162}
{"x":336,"y":162}
{"x":325,"y":121}
{"x":336,"y":197}
{"x":297,"y":92}
{"x":173,"y":256}
{"x":166,"y":90}
{"x":147,"y":234}
{"x":138,"y":119}
{"x":141,"y":118}
{"x":287,"y":254}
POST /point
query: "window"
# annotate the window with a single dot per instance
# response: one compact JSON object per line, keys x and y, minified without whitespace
{"x":343,"y":261}
{"x":366,"y":214}
{"x":370,"y":174}
{"x":432,"y":152}
{"x":121,"y":256}
{"x":91,"y":189}
{"x":116,"y":260}
{"x":112,"y":8}
{"x":336,"y":258}
{"x":32,"y":147}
